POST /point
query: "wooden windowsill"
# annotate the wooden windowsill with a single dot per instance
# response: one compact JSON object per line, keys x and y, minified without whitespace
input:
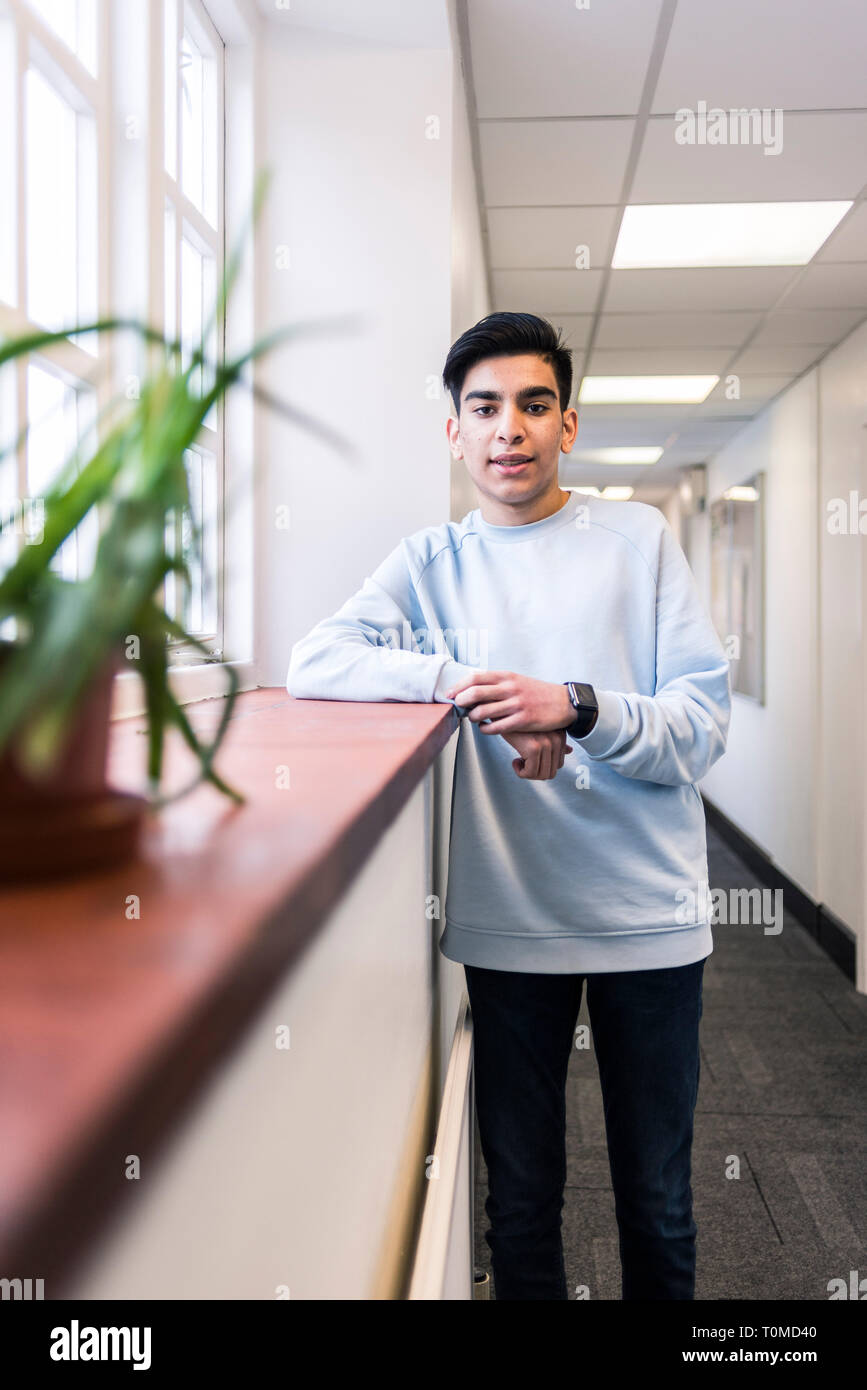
{"x":110,"y":1021}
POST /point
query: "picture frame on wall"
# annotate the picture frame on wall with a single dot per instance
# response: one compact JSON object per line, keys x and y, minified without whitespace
{"x":737,"y":540}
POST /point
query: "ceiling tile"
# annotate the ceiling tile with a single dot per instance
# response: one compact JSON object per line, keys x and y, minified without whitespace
{"x":830,"y":287}
{"x":656,"y":361}
{"x":546,"y":291}
{"x":707,"y":433}
{"x":755,"y":391}
{"x":808,"y":326}
{"x":553,"y":59}
{"x":575,"y":328}
{"x":735,"y":287}
{"x":601,"y":434}
{"x":849,"y":241}
{"x":675,"y":330}
{"x":549,"y":237}
{"x":823,"y":156}
{"x":788,"y":53}
{"x":553,"y":163}
{"x":777,"y":358}
{"x":664,"y":418}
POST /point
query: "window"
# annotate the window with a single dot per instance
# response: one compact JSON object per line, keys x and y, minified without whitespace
{"x":65,"y":167}
{"x":191,"y":179}
{"x":53,"y":124}
{"x":73,"y":21}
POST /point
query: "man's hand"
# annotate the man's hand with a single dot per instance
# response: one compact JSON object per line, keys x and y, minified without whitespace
{"x":541,"y":754}
{"x":511,"y":701}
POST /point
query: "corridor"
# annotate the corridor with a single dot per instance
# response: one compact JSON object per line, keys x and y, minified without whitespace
{"x":783,"y":1088}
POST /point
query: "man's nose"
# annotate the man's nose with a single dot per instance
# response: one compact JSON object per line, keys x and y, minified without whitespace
{"x":511,"y":423}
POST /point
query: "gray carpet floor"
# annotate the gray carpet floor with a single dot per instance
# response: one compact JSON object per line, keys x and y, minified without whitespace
{"x":783,"y":1086}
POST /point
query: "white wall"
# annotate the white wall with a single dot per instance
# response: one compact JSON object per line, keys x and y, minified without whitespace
{"x":793,"y":774}
{"x":842,"y":784}
{"x":470,"y":292}
{"x":304,"y":1165}
{"x":361,"y":198}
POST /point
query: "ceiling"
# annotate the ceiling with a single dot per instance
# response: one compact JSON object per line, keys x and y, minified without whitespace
{"x":572,"y":117}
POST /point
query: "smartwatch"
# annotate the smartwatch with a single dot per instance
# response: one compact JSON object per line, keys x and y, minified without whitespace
{"x":583,"y":699}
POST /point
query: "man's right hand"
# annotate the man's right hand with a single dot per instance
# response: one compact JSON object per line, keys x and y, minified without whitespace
{"x":541,"y":754}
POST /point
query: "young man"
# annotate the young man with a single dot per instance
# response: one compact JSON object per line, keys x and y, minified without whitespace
{"x":592,"y":628}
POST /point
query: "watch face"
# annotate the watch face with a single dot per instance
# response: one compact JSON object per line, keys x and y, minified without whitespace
{"x":583,"y":697}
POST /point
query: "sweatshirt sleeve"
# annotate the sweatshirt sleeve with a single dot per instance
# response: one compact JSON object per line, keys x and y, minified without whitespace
{"x":368,"y":649}
{"x":675,"y":735}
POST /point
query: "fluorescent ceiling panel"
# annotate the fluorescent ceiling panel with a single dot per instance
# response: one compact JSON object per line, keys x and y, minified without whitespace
{"x":618,"y":454}
{"x":614,"y":390}
{"x":724,"y":234}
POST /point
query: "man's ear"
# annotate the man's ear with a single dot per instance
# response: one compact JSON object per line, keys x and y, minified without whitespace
{"x":453,"y":433}
{"x":570,"y":430}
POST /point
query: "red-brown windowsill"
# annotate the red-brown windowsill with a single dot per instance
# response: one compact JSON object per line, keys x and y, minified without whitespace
{"x":110,"y":1023}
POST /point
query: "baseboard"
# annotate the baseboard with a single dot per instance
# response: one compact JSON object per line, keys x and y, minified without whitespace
{"x":833,"y":935}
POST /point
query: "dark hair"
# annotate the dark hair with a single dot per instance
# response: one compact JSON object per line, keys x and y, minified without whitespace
{"x":508,"y":335}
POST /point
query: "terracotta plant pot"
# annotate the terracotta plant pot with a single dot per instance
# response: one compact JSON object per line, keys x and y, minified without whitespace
{"x":70,"y":820}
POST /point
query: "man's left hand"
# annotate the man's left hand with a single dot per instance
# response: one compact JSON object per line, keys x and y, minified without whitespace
{"x":512,"y":701}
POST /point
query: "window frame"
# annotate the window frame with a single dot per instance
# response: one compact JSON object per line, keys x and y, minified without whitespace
{"x":124,"y":169}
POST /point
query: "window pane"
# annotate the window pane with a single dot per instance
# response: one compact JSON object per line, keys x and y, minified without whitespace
{"x":191,"y":547}
{"x":61,"y":209}
{"x":170,"y":584}
{"x":20,"y":521}
{"x":200,"y":551}
{"x":73,"y":21}
{"x":170,"y":327}
{"x":86,"y":534}
{"x":209,"y":294}
{"x":199,"y":134}
{"x":192,"y":305}
{"x":210,"y":551}
{"x":8,"y":137}
{"x":58,"y":416}
{"x":52,"y":297}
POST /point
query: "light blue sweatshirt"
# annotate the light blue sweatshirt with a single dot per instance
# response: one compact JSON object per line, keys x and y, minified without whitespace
{"x":604,"y":866}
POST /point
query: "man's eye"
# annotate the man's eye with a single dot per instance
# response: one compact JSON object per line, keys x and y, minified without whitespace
{"x":537,"y":405}
{"x":480,"y":408}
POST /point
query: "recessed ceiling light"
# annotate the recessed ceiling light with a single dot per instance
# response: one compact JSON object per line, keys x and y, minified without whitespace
{"x":617,"y":494}
{"x":642,"y":390}
{"x":620,"y":454}
{"x":741,"y":494}
{"x":724,"y":234}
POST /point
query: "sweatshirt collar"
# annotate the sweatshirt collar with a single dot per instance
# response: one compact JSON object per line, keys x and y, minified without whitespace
{"x":533,"y":529}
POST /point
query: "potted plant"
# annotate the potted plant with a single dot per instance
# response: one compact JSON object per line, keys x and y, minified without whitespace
{"x":57,"y":812}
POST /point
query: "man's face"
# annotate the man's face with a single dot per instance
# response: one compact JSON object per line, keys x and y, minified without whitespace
{"x":511,"y":432}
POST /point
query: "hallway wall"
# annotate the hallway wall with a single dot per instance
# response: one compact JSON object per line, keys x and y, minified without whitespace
{"x":793,"y":775}
{"x":360,"y":203}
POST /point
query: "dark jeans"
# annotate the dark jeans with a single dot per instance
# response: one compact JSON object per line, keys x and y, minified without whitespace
{"x":644,"y":1027}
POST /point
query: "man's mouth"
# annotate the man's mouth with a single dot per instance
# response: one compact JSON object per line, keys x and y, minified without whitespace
{"x":509,"y":464}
